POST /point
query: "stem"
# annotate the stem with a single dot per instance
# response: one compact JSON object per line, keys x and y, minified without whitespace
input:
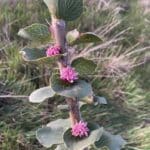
{"x":58,"y":29}
{"x":74,"y":113}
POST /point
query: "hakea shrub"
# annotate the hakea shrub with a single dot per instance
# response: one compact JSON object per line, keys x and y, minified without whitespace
{"x":73,"y":133}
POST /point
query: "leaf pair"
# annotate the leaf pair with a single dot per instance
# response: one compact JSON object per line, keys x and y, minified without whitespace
{"x":83,"y":66}
{"x":77,"y":90}
{"x":40,"y":33}
{"x":59,"y":133}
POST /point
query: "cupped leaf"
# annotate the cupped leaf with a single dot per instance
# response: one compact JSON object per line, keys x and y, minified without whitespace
{"x":78,"y":89}
{"x":113,"y":142}
{"x":74,"y":143}
{"x":53,"y":133}
{"x":36,"y":32}
{"x":84,"y":66}
{"x":41,"y":94}
{"x":74,"y":37}
{"x":68,"y":10}
{"x":38,"y":55}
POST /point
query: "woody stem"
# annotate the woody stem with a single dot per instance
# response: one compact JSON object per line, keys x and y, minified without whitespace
{"x":58,"y":29}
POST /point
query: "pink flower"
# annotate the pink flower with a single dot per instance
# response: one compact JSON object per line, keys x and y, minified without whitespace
{"x":53,"y":50}
{"x":80,"y":129}
{"x":68,"y":74}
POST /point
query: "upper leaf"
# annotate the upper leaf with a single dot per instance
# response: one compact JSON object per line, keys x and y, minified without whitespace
{"x":78,"y":89}
{"x":53,"y":133}
{"x":36,"y":32}
{"x":74,"y":37}
{"x":74,"y":143}
{"x":38,"y":55}
{"x":84,"y":66}
{"x":53,"y":7}
{"x":41,"y":94}
{"x":68,"y":10}
{"x":113,"y":142}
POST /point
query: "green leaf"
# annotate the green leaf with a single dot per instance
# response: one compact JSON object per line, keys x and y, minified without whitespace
{"x":53,"y":133}
{"x":113,"y":142}
{"x":68,"y":10}
{"x":78,"y":89}
{"x":36,"y":32}
{"x":74,"y":37}
{"x":74,"y":143}
{"x":84,"y":66}
{"x":38,"y":55}
{"x":100,"y":100}
{"x":41,"y":94}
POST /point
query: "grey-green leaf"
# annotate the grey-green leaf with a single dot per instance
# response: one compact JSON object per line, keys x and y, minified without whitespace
{"x":74,"y":37}
{"x":53,"y":133}
{"x":84,"y":66}
{"x":74,"y":143}
{"x":41,"y":94}
{"x":113,"y":142}
{"x":78,"y":89}
{"x":38,"y":55}
{"x":36,"y":32}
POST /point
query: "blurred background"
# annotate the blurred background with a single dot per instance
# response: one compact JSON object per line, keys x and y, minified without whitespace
{"x":123,"y":77}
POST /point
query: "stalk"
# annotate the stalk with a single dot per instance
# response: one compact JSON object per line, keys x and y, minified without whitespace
{"x":58,"y":29}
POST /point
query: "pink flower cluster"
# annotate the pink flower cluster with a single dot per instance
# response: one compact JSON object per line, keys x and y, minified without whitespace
{"x":68,"y":74}
{"x":80,"y":129}
{"x":53,"y":50}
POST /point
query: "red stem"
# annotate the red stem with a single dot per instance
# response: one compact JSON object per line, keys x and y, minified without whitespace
{"x":58,"y":28}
